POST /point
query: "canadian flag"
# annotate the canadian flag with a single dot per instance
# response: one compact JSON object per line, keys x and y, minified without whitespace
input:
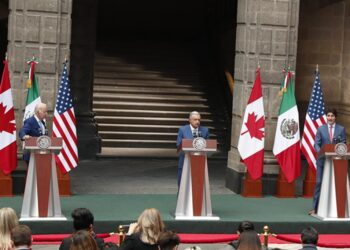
{"x":8,"y":145}
{"x":252,"y":138}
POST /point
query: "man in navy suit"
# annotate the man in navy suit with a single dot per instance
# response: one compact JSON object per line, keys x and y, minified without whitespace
{"x":34,"y":126}
{"x":189,"y":131}
{"x":326,"y":134}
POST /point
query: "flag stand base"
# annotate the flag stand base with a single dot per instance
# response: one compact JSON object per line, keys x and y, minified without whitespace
{"x":309,"y":183}
{"x":5,"y":185}
{"x":284,"y":189}
{"x":251,"y":188}
{"x":63,"y":183}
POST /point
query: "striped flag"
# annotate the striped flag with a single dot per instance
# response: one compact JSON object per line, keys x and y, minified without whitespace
{"x":315,"y":117}
{"x":33,"y":95}
{"x":64,"y":125}
{"x":8,"y":145}
{"x":252,"y":137}
{"x":286,"y":147}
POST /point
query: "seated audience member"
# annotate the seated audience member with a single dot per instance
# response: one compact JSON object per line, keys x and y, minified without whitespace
{"x":144,"y":234}
{"x":83,"y":240}
{"x":249,"y":240}
{"x":82,"y":220}
{"x":242,"y":227}
{"x":8,"y":220}
{"x":168,"y":241}
{"x":21,"y":237}
{"x":309,"y":238}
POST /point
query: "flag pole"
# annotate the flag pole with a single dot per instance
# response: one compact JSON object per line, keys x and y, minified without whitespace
{"x":309,"y":181}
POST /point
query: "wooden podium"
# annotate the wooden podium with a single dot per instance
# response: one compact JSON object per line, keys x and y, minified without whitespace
{"x":334,"y":202}
{"x":41,"y":199}
{"x":193,"y":201}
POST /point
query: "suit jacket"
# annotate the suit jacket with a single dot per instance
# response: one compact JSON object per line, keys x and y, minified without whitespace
{"x":31,"y":127}
{"x":66,"y":243}
{"x":322,"y":135}
{"x":185,"y":132}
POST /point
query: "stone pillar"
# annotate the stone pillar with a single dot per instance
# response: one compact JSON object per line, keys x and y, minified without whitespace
{"x":266,"y":33}
{"x":82,"y":69}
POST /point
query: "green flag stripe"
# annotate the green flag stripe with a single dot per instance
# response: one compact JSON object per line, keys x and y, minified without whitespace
{"x":33,"y":92}
{"x":288,"y":98}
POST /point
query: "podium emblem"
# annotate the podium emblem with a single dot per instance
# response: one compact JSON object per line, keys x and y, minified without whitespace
{"x":43,"y":142}
{"x":199,"y":143}
{"x":341,"y":149}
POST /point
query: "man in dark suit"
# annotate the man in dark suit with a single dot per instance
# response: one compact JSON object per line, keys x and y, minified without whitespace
{"x":309,"y":238}
{"x":83,"y":219}
{"x":34,"y":126}
{"x":189,"y":131}
{"x":326,"y":134}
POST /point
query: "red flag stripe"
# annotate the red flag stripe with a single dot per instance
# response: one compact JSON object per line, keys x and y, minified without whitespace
{"x":66,"y":141}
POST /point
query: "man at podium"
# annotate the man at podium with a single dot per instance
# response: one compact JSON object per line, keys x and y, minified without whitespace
{"x":189,"y":131}
{"x":328,"y":133}
{"x":34,"y":126}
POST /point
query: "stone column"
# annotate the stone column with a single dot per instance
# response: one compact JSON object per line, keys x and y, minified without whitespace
{"x":266,"y":34}
{"x":82,"y":69}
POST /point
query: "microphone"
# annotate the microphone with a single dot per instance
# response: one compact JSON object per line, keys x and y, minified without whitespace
{"x":336,"y":140}
{"x":195,"y":133}
{"x":199,"y":133}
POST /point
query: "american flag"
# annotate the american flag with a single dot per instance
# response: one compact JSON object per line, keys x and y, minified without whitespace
{"x":315,"y":117}
{"x":64,"y":125}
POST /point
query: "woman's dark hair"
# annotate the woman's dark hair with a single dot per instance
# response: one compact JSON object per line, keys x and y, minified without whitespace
{"x":249,"y":240}
{"x":83,"y":240}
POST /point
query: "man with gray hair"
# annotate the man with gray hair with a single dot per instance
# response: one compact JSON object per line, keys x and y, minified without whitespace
{"x":34,"y":126}
{"x":189,"y":131}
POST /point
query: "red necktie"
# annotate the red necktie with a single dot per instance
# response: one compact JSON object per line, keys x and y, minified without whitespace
{"x":331,"y":132}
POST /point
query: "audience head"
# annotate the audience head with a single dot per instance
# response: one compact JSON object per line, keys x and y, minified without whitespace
{"x":309,"y":236}
{"x":245,"y":226}
{"x":150,"y":225}
{"x":249,"y":240}
{"x":82,"y":219}
{"x":83,"y":240}
{"x":8,"y":220}
{"x":21,"y":236}
{"x":168,"y":241}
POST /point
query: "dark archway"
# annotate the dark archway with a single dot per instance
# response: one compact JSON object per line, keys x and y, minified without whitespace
{"x":209,"y":26}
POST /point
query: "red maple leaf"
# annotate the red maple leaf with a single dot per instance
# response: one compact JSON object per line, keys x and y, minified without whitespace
{"x":255,"y":126}
{"x":6,"y":120}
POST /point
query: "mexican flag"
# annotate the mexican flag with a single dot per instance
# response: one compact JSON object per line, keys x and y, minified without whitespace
{"x":8,"y":145}
{"x":287,"y":139}
{"x":33,"y":96}
{"x":251,"y":139}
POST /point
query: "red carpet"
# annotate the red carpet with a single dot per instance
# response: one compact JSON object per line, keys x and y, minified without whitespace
{"x":325,"y":240}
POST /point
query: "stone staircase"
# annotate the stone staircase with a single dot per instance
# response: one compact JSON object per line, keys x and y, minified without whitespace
{"x":143,"y":94}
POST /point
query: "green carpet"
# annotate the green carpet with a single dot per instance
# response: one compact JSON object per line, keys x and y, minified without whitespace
{"x":282,"y":215}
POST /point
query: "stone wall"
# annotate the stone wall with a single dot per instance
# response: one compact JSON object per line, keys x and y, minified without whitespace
{"x":266,"y":33}
{"x":39,"y":28}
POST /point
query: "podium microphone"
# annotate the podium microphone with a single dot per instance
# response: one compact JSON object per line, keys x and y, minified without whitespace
{"x":336,"y":140}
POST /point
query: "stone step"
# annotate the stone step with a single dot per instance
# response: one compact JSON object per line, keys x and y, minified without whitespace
{"x":148,"y":98}
{"x":141,"y":135}
{"x":146,"y":90}
{"x":143,"y":76}
{"x":200,"y":107}
{"x":144,"y":128}
{"x":146,"y":113}
{"x":111,"y":152}
{"x":147,"y":83}
{"x":139,"y":69}
{"x":137,"y":143}
{"x":146,"y":120}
